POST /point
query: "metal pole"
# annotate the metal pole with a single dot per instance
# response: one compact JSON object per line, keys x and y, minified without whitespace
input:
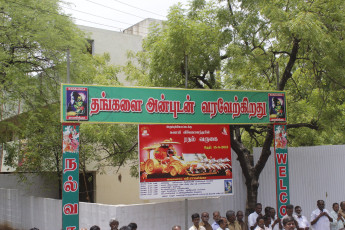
{"x":186,"y":214}
{"x":277,"y":71}
{"x":186,"y":200}
{"x":186,"y":69}
{"x":68,"y":66}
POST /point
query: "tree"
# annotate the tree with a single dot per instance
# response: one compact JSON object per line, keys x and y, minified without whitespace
{"x":34,"y":39}
{"x":295,"y":46}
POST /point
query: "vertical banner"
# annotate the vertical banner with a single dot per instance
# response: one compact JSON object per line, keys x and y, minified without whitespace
{"x":184,"y":161}
{"x":282,"y":169}
{"x":70,"y":177}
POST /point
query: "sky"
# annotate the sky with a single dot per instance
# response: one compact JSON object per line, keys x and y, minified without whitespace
{"x":116,"y":15}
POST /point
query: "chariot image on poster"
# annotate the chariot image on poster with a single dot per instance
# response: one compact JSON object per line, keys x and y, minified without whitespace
{"x":195,"y":156}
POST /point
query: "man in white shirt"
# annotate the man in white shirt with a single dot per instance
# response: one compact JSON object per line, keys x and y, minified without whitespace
{"x":275,"y":220}
{"x":196,"y":221}
{"x":253,"y":216}
{"x":320,"y":219}
{"x":216,"y":218}
{"x":289,"y":212}
{"x":302,"y":221}
{"x":338,"y":220}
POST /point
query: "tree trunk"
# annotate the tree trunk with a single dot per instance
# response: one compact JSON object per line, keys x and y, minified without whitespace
{"x":250,"y":171}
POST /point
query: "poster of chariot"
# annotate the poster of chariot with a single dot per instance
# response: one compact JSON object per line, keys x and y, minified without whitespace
{"x":184,"y":161}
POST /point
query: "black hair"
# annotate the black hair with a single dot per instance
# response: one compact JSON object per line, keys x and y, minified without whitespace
{"x":195,"y":215}
{"x":95,"y":227}
{"x":133,"y":225}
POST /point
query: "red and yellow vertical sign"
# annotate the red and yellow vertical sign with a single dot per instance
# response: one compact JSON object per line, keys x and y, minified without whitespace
{"x":70,"y":177}
{"x":282,"y":172}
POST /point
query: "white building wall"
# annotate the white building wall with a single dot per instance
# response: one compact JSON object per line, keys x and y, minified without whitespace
{"x":117,"y":44}
{"x":315,"y":173}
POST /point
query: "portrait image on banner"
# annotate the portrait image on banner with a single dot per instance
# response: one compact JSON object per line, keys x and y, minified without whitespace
{"x":77,"y":103}
{"x":277,"y":106}
{"x":195,"y":160}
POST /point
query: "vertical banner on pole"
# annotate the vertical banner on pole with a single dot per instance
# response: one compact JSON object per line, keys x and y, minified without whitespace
{"x":70,"y":177}
{"x":282,"y":172}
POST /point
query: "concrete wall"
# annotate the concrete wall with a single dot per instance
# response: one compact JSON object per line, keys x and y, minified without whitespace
{"x":24,"y":212}
{"x":117,"y":44}
{"x":315,"y":173}
{"x":35,"y":185}
{"x":143,"y":28}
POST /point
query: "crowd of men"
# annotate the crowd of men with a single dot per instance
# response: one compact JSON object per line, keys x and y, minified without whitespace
{"x":320,"y":219}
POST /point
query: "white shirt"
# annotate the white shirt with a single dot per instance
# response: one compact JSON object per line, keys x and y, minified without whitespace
{"x":336,"y":225}
{"x":222,"y":229}
{"x":323,"y":223}
{"x":252,"y":219}
{"x":302,"y":221}
{"x":276,"y":227}
{"x":258,"y":228}
{"x":194,"y":228}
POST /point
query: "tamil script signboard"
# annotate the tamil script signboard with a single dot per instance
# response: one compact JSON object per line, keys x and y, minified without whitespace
{"x":282,"y":172}
{"x":184,"y":161}
{"x":70,"y":177}
{"x":104,"y":104}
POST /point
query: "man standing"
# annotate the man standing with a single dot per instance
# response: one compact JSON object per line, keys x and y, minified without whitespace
{"x":320,"y":219}
{"x":232,"y":225}
{"x":253,"y":216}
{"x":176,"y":227}
{"x":196,"y":220}
{"x":240,"y":222}
{"x":289,"y":212}
{"x":342,"y":209}
{"x":338,"y":220}
{"x":289,"y":223}
{"x":302,"y":221}
{"x":204,"y":221}
{"x":114,"y":224}
{"x":222,"y":222}
{"x":275,"y":220}
{"x":216,"y":218}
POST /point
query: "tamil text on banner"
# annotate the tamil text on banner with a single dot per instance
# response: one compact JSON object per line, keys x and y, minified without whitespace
{"x":184,"y":161}
{"x":70,"y":177}
{"x":104,"y":104}
{"x":282,"y":169}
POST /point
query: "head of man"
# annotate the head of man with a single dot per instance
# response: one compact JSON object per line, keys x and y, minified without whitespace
{"x":273,"y":213}
{"x":216,"y":216}
{"x":204,"y":217}
{"x":267,"y":210}
{"x":335,"y":207}
{"x":230,"y":215}
{"x":260,"y":221}
{"x":176,"y":227}
{"x":222,"y":222}
{"x":239,"y":216}
{"x":267,"y":220}
{"x":342,"y":205}
{"x":298,"y":210}
{"x":289,"y":209}
{"x":114,"y":224}
{"x":95,"y":227}
{"x":289,"y":223}
{"x":321,"y":205}
{"x":133,"y":226}
{"x":258,"y":208}
{"x":196,"y":219}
